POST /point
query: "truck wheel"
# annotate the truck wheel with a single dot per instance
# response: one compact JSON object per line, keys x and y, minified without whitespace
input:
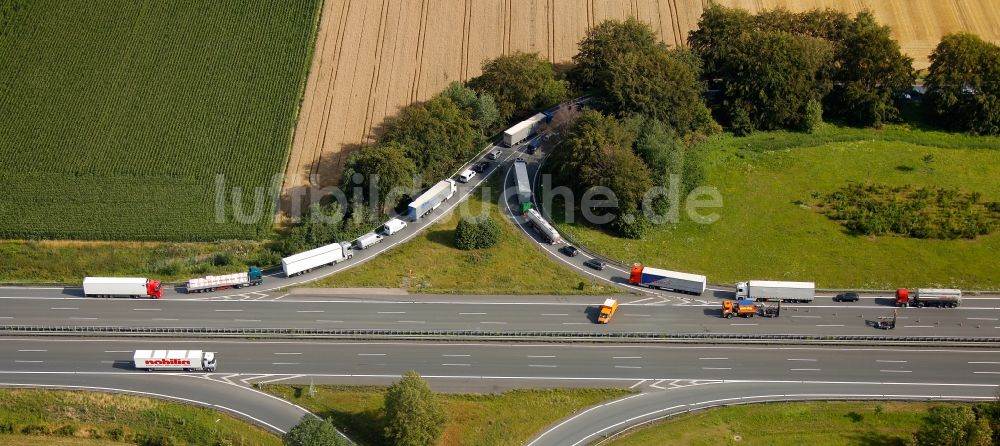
{"x":729,"y":315}
{"x":211,"y":290}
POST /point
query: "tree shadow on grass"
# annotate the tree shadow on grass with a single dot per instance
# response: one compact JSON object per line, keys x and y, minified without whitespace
{"x":445,"y":237}
{"x":871,"y":438}
{"x":365,"y":428}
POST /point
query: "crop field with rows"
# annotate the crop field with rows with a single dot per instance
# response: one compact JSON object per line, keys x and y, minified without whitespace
{"x":121,"y":119}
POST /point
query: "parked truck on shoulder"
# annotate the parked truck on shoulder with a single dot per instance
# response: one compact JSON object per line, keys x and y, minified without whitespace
{"x":304,"y":262}
{"x":769,"y":290}
{"x":181,"y":360}
{"x":430,"y":200}
{"x":928,"y":297}
{"x":667,"y":280}
{"x":252,"y":277}
{"x":133,"y":287}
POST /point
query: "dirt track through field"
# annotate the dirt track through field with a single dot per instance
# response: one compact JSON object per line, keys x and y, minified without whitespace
{"x":374,"y":57}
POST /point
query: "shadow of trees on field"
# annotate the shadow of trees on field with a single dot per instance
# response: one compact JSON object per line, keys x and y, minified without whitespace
{"x":872,"y":438}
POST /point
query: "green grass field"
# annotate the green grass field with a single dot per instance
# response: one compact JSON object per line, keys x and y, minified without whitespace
{"x":509,"y":418}
{"x":57,"y":417}
{"x":512,"y":266}
{"x":767,"y":228}
{"x":788,"y":424}
{"x":118,"y":117}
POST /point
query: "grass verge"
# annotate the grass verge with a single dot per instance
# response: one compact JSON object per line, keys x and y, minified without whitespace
{"x":512,"y":266}
{"x":35,"y":417}
{"x":509,"y":418}
{"x":767,"y":229}
{"x":785,"y":424}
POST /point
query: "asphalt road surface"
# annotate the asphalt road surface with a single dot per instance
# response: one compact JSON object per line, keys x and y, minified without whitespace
{"x":496,"y":313}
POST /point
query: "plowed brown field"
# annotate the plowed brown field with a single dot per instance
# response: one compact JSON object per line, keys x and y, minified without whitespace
{"x":373,"y":57}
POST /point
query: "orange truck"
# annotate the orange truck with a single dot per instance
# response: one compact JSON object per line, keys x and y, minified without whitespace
{"x":607,"y":311}
{"x":741,"y":308}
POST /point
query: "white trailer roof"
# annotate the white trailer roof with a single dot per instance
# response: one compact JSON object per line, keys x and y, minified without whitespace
{"x":115,"y":280}
{"x":226,"y":279}
{"x":431,"y":193}
{"x":609,"y":302}
{"x":168,"y":354}
{"x":311,"y":253}
{"x":521,"y":172}
{"x":674,"y":274}
{"x":778,"y":284}
{"x":526,"y":124}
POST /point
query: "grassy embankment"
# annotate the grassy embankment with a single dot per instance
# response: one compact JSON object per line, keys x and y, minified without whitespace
{"x":512,"y":266}
{"x":768,"y":227}
{"x":787,"y":424}
{"x":509,"y":418}
{"x":55,"y":417}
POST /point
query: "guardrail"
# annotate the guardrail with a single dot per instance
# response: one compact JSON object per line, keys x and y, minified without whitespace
{"x":452,"y":335}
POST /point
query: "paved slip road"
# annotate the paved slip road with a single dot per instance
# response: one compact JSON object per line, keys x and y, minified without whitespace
{"x":495,"y":313}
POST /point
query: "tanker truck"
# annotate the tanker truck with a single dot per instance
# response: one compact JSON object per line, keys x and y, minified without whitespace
{"x":252,"y":277}
{"x":929,"y":297}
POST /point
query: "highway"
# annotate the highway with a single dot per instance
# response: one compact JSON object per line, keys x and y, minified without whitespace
{"x":497,"y":313}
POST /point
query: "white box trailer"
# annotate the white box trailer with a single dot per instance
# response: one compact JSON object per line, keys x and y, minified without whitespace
{"x":523,"y":182}
{"x":543,"y":227}
{"x":770,"y":290}
{"x":367,"y":240}
{"x":121,"y":287}
{"x":522,"y":130}
{"x":430,"y":200}
{"x":182,"y":360}
{"x":314,"y":258}
{"x":667,"y":280}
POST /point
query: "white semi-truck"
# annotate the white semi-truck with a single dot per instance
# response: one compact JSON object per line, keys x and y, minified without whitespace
{"x":314,"y":258}
{"x":770,"y":290}
{"x":523,"y":182}
{"x":523,"y":130}
{"x":180,"y":360}
{"x":122,"y":287}
{"x":430,"y":200}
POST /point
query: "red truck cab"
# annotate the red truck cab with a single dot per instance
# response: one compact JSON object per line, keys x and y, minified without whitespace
{"x":154,"y":289}
{"x":902,"y":297}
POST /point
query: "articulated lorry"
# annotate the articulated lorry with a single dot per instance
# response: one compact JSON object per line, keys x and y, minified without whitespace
{"x":543,"y":227}
{"x":430,"y":200}
{"x":133,"y":287}
{"x":929,"y":297}
{"x":252,"y":277}
{"x":314,"y":258}
{"x":769,"y":290}
{"x":524,"y":129}
{"x":667,"y":280}
{"x":181,"y":360}
{"x":523,"y":182}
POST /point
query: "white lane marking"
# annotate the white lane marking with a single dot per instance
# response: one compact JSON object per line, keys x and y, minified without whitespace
{"x":455,"y":356}
{"x":146,"y":309}
{"x":229,"y":310}
{"x":804,"y":370}
{"x":371,"y":354}
{"x":987,"y":373}
{"x":471,"y":314}
{"x":984,"y":362}
{"x":896,"y":371}
{"x":6,"y":317}
{"x":640,"y":300}
{"x":830,"y":325}
{"x":626,"y":357}
{"x":246,"y":320}
{"x":497,"y":323}
{"x":714,"y":359}
{"x":391,"y":312}
{"x":285,"y":363}
{"x":412,"y":322}
{"x":555,"y":314}
{"x":716,"y":368}
{"x":576,"y":323}
{"x":628,"y":367}
{"x":457,"y":365}
{"x":310,"y":311}
{"x":27,"y":350}
{"x":287,"y":353}
{"x":83,"y":318}
{"x":64,"y":308}
{"x":918,"y":326}
{"x":639,"y":315}
{"x":637,"y":384}
{"x":537,"y":365}
{"x":811,"y":317}
{"x":328,"y":320}
{"x":743,"y":324}
{"x":16,"y":360}
{"x":981,"y":318}
{"x":800,"y":359}
{"x":890,"y":360}
{"x":165,"y":319}
{"x":541,"y":356}
{"x":118,"y":351}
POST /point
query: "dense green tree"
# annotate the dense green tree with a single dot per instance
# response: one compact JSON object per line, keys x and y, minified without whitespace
{"x":312,"y":431}
{"x":480,"y":107}
{"x":438,"y":136}
{"x":520,"y":84}
{"x":953,"y":426}
{"x":871,"y":71}
{"x":963,"y":86}
{"x":719,"y":30}
{"x":770,"y":78}
{"x":388,"y":167}
{"x":605,"y":43}
{"x":413,"y":416}
{"x":320,"y":224}
{"x":477,"y":233}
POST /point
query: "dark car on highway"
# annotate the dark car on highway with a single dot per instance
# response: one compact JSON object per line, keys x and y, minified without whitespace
{"x":847,"y":297}
{"x":481,"y":166}
{"x":569,"y":250}
{"x":596,"y":264}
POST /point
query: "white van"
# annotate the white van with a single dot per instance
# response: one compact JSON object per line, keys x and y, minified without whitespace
{"x":393,"y":226}
{"x":466,"y":175}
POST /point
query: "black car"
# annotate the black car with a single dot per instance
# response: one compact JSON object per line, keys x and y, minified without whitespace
{"x":596,"y":264}
{"x":569,"y":250}
{"x":847,"y":297}
{"x":530,"y":150}
{"x":481,"y":166}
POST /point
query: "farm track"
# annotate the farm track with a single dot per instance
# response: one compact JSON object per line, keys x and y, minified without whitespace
{"x":435,"y":42}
